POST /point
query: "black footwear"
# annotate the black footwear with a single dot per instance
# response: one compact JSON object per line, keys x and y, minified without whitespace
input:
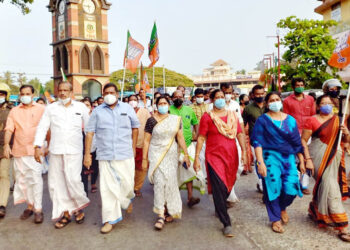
{"x":38,"y":218}
{"x":2,"y":211}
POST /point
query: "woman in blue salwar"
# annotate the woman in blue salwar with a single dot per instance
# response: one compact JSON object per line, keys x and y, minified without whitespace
{"x":277,"y":142}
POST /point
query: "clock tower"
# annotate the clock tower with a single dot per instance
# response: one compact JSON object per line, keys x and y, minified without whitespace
{"x":80,"y":44}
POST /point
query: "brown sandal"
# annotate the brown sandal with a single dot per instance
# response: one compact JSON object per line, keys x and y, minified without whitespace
{"x":79,"y":217}
{"x":284,"y":217}
{"x":159,"y":224}
{"x":277,"y":228}
{"x":62,"y":222}
{"x":344,"y":237}
{"x":138,"y":193}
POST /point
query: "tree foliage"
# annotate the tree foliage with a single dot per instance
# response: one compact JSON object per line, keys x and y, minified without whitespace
{"x":7,"y":78}
{"x":172,"y":78}
{"x":49,"y":86}
{"x":309,"y":47}
{"x":22,"y":4}
{"x":241,"y":72}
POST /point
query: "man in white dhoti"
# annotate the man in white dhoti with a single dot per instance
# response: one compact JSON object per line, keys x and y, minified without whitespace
{"x":65,"y":120}
{"x":115,"y":126}
{"x":23,"y":121}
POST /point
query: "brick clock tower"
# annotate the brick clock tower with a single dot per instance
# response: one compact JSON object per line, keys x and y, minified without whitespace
{"x":80,"y":44}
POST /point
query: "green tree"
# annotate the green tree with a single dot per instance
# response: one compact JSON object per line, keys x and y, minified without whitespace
{"x":172,"y":78}
{"x":36,"y":84}
{"x":241,"y":72}
{"x":49,"y":86}
{"x":22,"y":4}
{"x":309,"y":47}
{"x":8,"y":79}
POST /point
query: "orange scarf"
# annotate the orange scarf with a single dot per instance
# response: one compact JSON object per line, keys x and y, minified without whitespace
{"x":228,"y":129}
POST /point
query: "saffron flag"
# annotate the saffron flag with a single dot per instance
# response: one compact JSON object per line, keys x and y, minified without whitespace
{"x":153,"y":47}
{"x":133,"y":53}
{"x":144,"y":83}
{"x":341,"y":54}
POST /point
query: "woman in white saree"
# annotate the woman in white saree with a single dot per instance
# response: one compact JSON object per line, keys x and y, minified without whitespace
{"x":163,"y":134}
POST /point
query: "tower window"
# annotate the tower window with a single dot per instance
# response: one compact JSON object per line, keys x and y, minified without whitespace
{"x":85,"y":58}
{"x":98,"y":59}
{"x":65,"y":58}
{"x":58,"y":59}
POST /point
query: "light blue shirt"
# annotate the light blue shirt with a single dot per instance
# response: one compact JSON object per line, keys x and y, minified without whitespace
{"x":113,"y":131}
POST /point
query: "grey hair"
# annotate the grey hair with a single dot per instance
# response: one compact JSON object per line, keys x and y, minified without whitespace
{"x":66,"y":82}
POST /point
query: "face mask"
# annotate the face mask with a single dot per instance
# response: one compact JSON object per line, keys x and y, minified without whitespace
{"x":163,"y":109}
{"x":110,"y":99}
{"x":220,"y":103}
{"x":64,"y":101}
{"x":326,"y":109}
{"x":200,"y":100}
{"x":333,"y":93}
{"x":275,"y":106}
{"x":133,"y":104}
{"x":299,"y":90}
{"x":2,"y":100}
{"x":246,"y":103}
{"x":228,"y":97}
{"x":258,"y":99}
{"x":26,"y":99}
{"x":178,"y":102}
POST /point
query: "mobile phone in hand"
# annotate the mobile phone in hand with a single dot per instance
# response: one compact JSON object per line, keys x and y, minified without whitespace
{"x":184,"y":165}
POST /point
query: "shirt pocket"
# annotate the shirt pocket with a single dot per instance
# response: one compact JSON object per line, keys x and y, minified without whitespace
{"x":77,"y":121}
{"x":124,"y":122}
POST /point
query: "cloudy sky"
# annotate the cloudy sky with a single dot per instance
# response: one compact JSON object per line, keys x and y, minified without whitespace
{"x":192,"y":33}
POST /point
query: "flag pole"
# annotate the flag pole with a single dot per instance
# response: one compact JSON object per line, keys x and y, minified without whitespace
{"x":344,"y":115}
{"x":153,"y":85}
{"x":123,"y":80}
{"x":164,"y":78}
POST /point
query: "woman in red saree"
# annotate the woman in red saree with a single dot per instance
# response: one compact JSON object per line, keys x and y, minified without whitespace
{"x":326,"y":159}
{"x":220,"y":128}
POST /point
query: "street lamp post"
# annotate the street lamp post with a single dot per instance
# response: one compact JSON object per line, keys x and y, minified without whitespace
{"x":278,"y":58}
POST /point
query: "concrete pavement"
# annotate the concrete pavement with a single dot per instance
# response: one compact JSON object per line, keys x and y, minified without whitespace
{"x":198,"y":229}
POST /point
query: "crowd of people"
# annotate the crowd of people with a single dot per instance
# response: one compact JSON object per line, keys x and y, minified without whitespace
{"x":205,"y":143}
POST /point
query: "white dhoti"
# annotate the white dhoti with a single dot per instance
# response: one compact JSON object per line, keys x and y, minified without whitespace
{"x":187,"y":175}
{"x":29,"y":182}
{"x":65,"y":185}
{"x":116,"y":187}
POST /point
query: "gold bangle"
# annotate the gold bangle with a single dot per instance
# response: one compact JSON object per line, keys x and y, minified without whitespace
{"x":145,"y":159}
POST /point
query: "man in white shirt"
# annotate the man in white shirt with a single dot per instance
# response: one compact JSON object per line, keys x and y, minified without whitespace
{"x":65,"y":120}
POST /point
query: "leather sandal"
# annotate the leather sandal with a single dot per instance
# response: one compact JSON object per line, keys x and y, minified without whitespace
{"x":62,"y":223}
{"x":26,"y":214}
{"x":277,"y":228}
{"x":344,"y":237}
{"x":159,"y":224}
{"x":79,"y":217}
{"x":284,"y":217}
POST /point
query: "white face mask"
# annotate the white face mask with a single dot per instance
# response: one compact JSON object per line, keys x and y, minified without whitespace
{"x":200,"y":100}
{"x":26,"y":99}
{"x":228,"y":97}
{"x":133,"y":104}
{"x":110,"y":99}
{"x":2,"y":100}
{"x":64,"y":101}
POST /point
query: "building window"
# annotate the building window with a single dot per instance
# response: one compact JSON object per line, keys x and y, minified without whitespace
{"x":336,"y":12}
{"x":65,"y":58}
{"x":58,"y":59}
{"x":98,"y":59}
{"x":85,"y":58}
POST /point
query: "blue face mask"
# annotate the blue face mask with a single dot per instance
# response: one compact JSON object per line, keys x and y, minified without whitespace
{"x":326,"y":109}
{"x":275,"y":106}
{"x":220,"y":103}
{"x":163,"y":109}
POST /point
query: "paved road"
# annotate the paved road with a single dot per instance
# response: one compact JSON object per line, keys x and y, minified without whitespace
{"x":198,"y":229}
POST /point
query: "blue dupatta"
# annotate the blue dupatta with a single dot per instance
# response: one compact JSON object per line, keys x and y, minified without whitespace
{"x":285,"y":140}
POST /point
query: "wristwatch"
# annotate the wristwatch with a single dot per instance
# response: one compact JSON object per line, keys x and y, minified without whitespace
{"x":36,"y":146}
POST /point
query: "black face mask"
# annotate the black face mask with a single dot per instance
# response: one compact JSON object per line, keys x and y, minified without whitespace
{"x":333,"y":93}
{"x":178,"y":102}
{"x":246,"y":103}
{"x":259,"y":99}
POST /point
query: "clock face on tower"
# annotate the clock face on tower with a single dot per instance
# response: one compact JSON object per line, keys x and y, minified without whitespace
{"x":89,"y":6}
{"x":62,"y":7}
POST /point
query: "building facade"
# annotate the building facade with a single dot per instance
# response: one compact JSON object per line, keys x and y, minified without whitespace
{"x":80,"y":44}
{"x":338,"y":10}
{"x":221,"y":72}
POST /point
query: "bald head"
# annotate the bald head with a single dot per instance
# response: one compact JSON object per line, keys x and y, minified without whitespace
{"x":178,"y":94}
